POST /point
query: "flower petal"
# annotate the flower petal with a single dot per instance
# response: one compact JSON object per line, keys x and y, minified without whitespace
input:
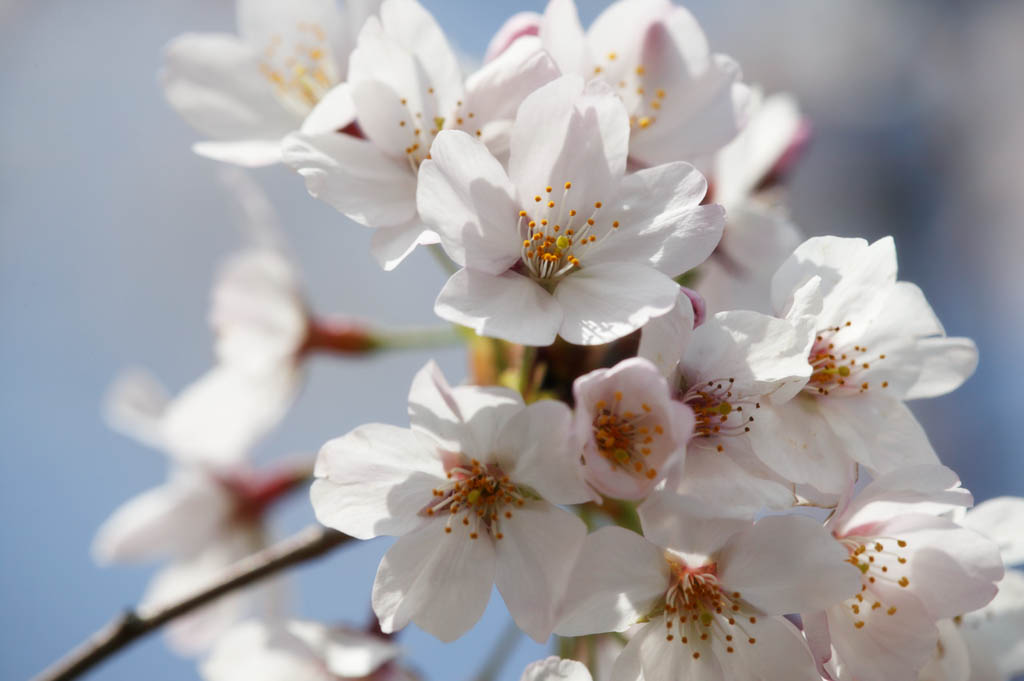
{"x":562,"y":34}
{"x":334,"y":111}
{"x":1001,"y":520}
{"x":688,"y":525}
{"x":248,"y":153}
{"x":519,"y":25}
{"x":390,"y":246}
{"x":509,"y":306}
{"x":663,"y":339}
{"x":556,"y":669}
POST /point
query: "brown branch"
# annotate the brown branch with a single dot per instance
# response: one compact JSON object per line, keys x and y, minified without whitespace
{"x":310,"y":543}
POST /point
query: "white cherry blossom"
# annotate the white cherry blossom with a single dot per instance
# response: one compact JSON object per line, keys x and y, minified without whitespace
{"x":711,"y":590}
{"x":877,"y":343}
{"x":406,"y":86}
{"x":683,"y":102}
{"x":556,"y":669}
{"x":917,"y":567}
{"x":564,"y":242}
{"x":470,"y":492}
{"x":630,"y":427}
{"x":732,"y":371}
{"x":297,"y":650}
{"x":283,"y":72}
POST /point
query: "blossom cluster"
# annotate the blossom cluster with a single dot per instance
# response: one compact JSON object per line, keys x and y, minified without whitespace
{"x":686,"y":439}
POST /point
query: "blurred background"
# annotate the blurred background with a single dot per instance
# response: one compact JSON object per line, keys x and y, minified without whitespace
{"x":110,"y":230}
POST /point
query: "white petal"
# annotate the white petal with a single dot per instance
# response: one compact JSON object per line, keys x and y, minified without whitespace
{"x":174,"y":519}
{"x":785,"y":564}
{"x":951,"y":661}
{"x":663,"y":339}
{"x":248,"y":153}
{"x":465,"y":195}
{"x":562,"y":34}
{"x":1001,"y":520}
{"x":686,"y":525}
{"x":347,"y":653}
{"x":135,"y":404}
{"x":390,"y":246}
{"x":604,"y":302}
{"x":536,"y":448}
{"x":619,"y":578}
{"x":333,"y":112}
{"x":376,"y":480}
{"x":510,"y":307}
{"x":262,"y":651}
{"x":495,"y":91}
{"x":556,"y":669}
{"x":535,"y":556}
{"x":947,"y":363}
{"x":355,"y":177}
{"x":664,"y":660}
{"x":519,"y":25}
{"x":442,"y":581}
{"x":213,"y":80}
{"x":922,"y":490}
{"x":265,"y":22}
{"x":779,"y":653}
{"x":993,"y":633}
{"x":732,"y":476}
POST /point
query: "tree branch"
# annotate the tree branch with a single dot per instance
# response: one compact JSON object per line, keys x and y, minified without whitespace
{"x":310,"y":543}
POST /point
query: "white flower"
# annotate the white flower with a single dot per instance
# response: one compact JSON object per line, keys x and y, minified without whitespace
{"x":877,"y":342}
{"x":556,"y":669}
{"x":470,"y":490}
{"x":733,"y":370}
{"x":711,"y":588}
{"x":630,"y":427}
{"x":758,"y":235}
{"x":297,"y":650}
{"x":683,"y":102}
{"x":917,"y":567}
{"x":564,"y":243}
{"x":260,"y":321}
{"x":278,"y":75}
{"x":406,"y":86}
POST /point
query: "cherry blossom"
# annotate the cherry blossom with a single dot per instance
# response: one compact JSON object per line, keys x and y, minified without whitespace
{"x":711,"y":590}
{"x":296,"y":650}
{"x":917,"y":567}
{"x":405,"y":87}
{"x":281,"y":73}
{"x":877,"y":343}
{"x":683,"y":102}
{"x":556,"y":669}
{"x":564,"y":243}
{"x":470,"y":490}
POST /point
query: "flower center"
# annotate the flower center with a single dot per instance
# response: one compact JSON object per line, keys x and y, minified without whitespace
{"x":880,"y":559}
{"x":555,"y":234}
{"x":643,"y":101}
{"x":838,"y":366}
{"x":699,"y":610}
{"x":301,"y":70}
{"x":717,"y":410}
{"x":423,"y":134}
{"x":625,"y":437}
{"x":477,"y":497}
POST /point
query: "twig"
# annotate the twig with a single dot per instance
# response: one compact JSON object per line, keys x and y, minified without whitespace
{"x":310,"y":543}
{"x":500,"y":653}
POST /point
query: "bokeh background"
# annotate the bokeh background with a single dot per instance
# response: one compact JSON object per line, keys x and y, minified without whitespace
{"x":110,"y":230}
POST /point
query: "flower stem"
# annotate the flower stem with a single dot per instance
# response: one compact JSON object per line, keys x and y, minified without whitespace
{"x":310,"y":543}
{"x":415,"y":338}
{"x":500,"y":653}
{"x":526,"y":370}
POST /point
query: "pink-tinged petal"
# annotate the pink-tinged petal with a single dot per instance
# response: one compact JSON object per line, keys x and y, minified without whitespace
{"x":795,"y":441}
{"x":786,"y":564}
{"x":390,"y":246}
{"x":745,"y":162}
{"x":921,"y":490}
{"x":886,"y":647}
{"x":214,"y":82}
{"x":519,"y":25}
{"x":880,"y":433}
{"x":376,"y":480}
{"x":780,"y":652}
{"x":355,"y":177}
{"x":174,"y":519}
{"x":1001,"y":520}
{"x":946,"y":364}
{"x":216,"y":420}
{"x":535,"y":556}
{"x":620,"y":29}
{"x":556,"y":669}
{"x":619,"y":577}
{"x":335,"y":111}
{"x":496,"y":90}
{"x":733,"y":476}
{"x":951,"y":661}
{"x":465,"y":195}
{"x":664,"y":660}
{"x":562,"y":34}
{"x":660,"y":220}
{"x":819,"y":640}
{"x":441,"y":581}
{"x":262,"y":651}
{"x":134,"y":406}
{"x":601,"y":303}
{"x":509,"y":306}
{"x":536,"y":448}
{"x":248,"y":153}
{"x":627,"y":666}
{"x":621,"y":463}
{"x":687,"y":525}
{"x":664,"y":339}
{"x":565,"y":132}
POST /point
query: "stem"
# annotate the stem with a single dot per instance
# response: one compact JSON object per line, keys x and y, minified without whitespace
{"x":414,"y":338}
{"x":350,"y":337}
{"x":310,"y":543}
{"x":500,"y":653}
{"x":526,"y":370}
